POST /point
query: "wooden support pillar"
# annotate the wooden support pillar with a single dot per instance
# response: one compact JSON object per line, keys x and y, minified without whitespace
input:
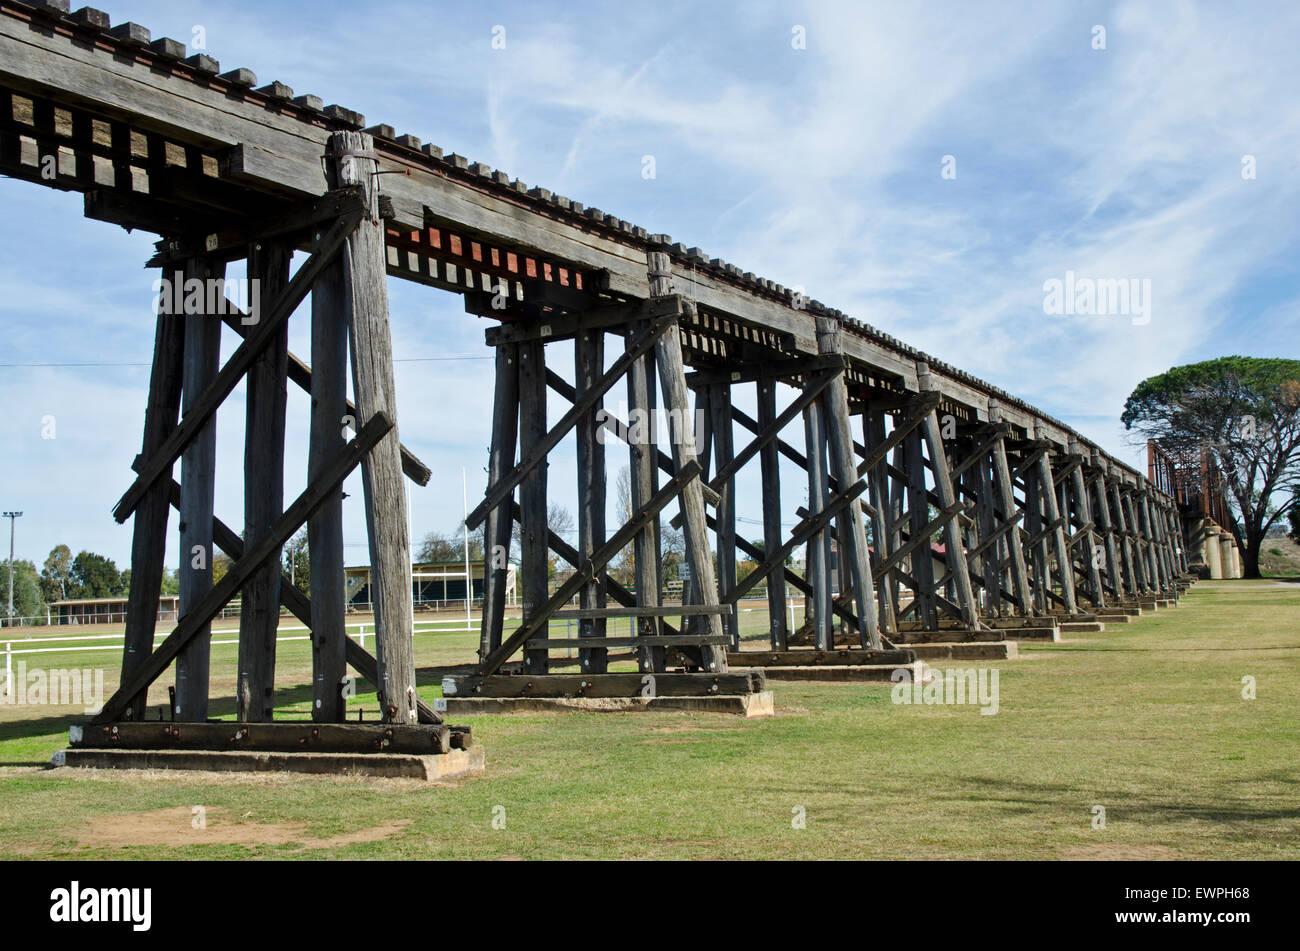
{"x":1039,"y":563}
{"x":873,"y":434}
{"x":534,"y":550}
{"x":817,"y":552}
{"x":642,"y":454}
{"x":770,"y":463}
{"x":1147,"y":531}
{"x":1051,"y":514}
{"x":589,"y":365}
{"x":198,"y":488}
{"x":1007,"y":500}
{"x":259,"y":613}
{"x":853,"y":553}
{"x":719,"y":407}
{"x":672,"y":379}
{"x":922,"y":558}
{"x":1084,"y":511}
{"x":897,"y":505}
{"x":149,"y":529}
{"x":947,"y":497}
{"x":326,"y":439}
{"x":500,"y":523}
{"x":1115,"y":510}
{"x":982,"y":485}
{"x":1099,"y":510}
{"x":1160,"y":534}
{"x":365,"y":263}
{"x":1137,"y":542}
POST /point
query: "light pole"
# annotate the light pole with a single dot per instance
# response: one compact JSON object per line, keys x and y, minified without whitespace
{"x":13,"y":518}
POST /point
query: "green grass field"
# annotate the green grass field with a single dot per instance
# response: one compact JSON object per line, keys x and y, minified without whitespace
{"x":1146,"y":720}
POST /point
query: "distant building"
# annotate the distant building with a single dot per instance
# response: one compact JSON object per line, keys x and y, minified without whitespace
{"x":435,"y":584}
{"x":104,"y":610}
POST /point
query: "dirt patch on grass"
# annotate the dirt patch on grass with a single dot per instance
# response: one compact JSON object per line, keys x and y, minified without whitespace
{"x":210,"y":778}
{"x":1118,"y":852}
{"x":175,"y":827}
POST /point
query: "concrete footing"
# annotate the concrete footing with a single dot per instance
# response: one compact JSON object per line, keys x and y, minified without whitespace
{"x":749,"y":705}
{"x":1082,"y":627}
{"x":912,"y":639}
{"x":841,"y":673}
{"x":447,"y":765}
{"x":975,"y":650}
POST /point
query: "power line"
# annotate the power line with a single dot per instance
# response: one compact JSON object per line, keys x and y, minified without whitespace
{"x":103,"y":365}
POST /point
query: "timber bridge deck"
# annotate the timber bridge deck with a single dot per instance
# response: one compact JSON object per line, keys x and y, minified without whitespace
{"x":1036,"y":521}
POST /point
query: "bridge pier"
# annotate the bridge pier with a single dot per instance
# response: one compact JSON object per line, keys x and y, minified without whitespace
{"x":345,"y":274}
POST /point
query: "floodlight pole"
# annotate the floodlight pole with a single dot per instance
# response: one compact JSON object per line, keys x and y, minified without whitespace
{"x":13,"y":518}
{"x":469,"y":582}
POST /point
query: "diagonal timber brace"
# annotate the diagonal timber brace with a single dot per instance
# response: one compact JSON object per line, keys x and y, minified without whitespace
{"x":499,"y":491}
{"x":240,"y":362}
{"x":587,"y":571}
{"x":262,"y":551}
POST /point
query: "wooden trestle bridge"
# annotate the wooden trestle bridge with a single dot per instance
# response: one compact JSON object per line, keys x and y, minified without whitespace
{"x":950,"y":502}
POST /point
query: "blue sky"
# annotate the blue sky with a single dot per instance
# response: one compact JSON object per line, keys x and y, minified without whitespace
{"x":816,"y":167}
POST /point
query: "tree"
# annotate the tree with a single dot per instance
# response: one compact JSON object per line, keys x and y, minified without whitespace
{"x":94,"y":576}
{"x":439,"y":549}
{"x":297,"y":561}
{"x":672,"y":551}
{"x":1294,"y":518}
{"x":559,"y":519}
{"x":221,"y":563}
{"x":57,"y":573}
{"x":1246,"y":412}
{"x":624,"y":563}
{"x":171,"y":582}
{"x":28,"y":600}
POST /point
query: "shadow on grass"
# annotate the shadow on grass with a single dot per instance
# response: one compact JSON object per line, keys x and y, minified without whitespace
{"x":1144,"y":808}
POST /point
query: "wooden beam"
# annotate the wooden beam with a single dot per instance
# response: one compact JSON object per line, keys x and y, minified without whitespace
{"x":532,"y":494}
{"x":853,"y":533}
{"x":670,"y":610}
{"x":770,"y":465}
{"x":681,"y":432}
{"x":329,"y":405}
{"x":642,"y":455}
{"x":149,"y":531}
{"x":500,"y":520}
{"x":720,"y":409}
{"x":752,"y":372}
{"x":365,"y":276}
{"x":259,"y":614}
{"x":604,"y":685}
{"x":286,"y":737}
{"x":198,"y":478}
{"x":589,"y":361}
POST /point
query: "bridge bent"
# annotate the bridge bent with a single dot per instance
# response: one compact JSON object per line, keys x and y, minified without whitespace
{"x":955,"y":505}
